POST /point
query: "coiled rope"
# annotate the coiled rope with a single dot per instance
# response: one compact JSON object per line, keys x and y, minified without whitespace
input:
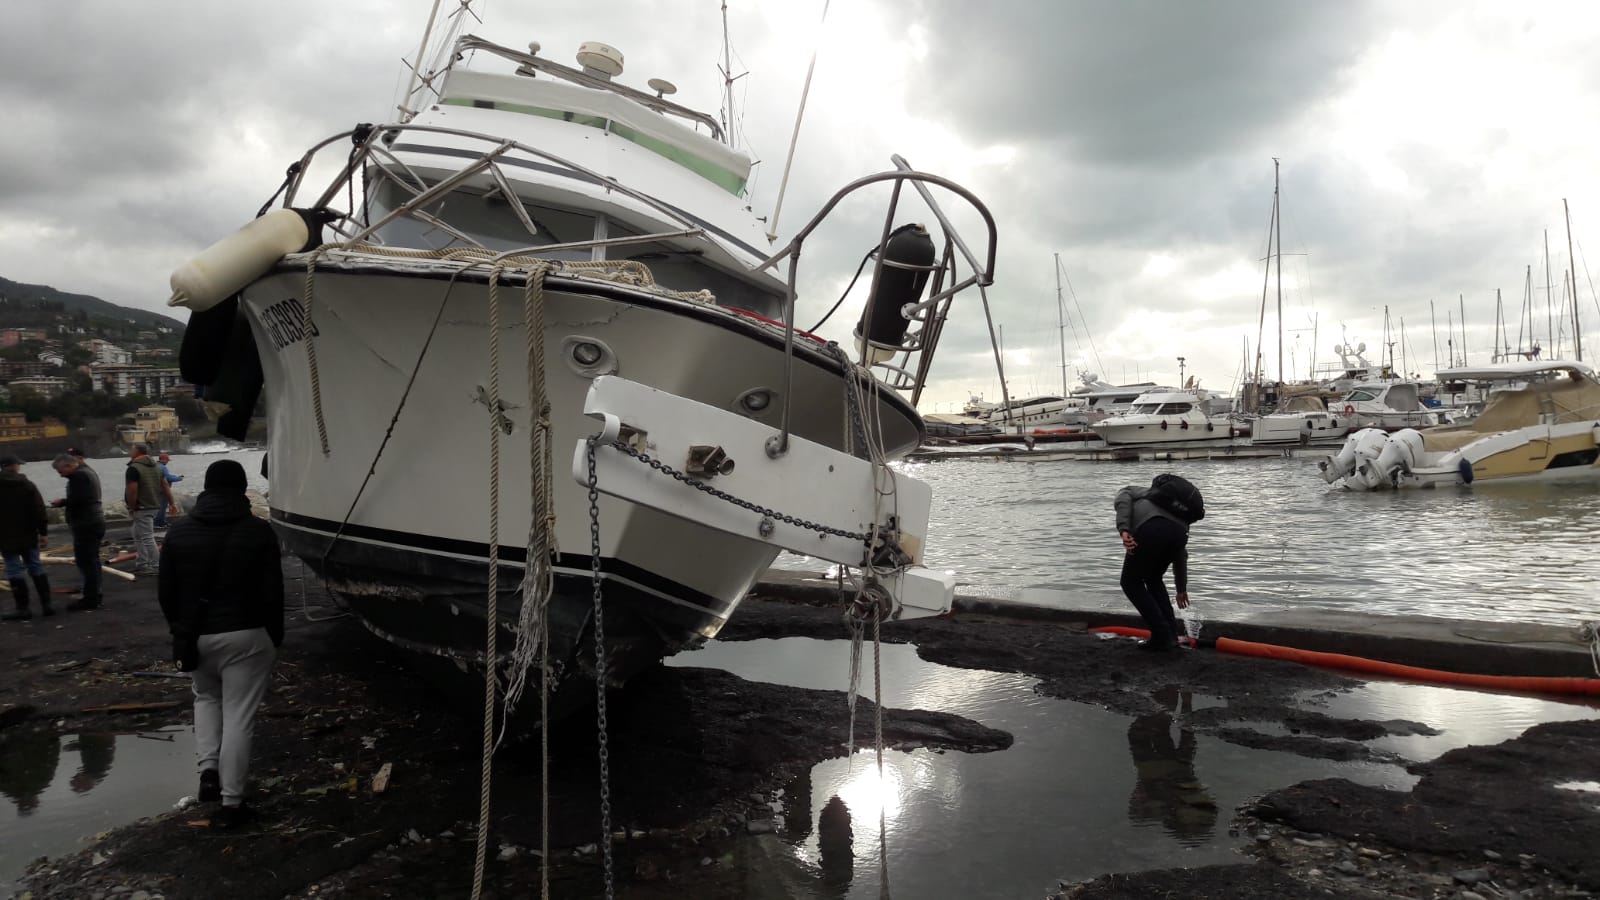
{"x":1589,"y":633}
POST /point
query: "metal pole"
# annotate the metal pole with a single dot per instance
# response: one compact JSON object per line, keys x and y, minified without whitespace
{"x":1463,"y":302}
{"x":1061,"y":328}
{"x":1577,"y":336}
{"x":416,"y":71}
{"x":1277,"y":221}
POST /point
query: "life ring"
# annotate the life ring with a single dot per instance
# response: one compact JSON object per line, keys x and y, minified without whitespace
{"x":1349,"y":409}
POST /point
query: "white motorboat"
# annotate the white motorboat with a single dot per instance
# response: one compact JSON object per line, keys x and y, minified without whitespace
{"x":1388,"y":405}
{"x":540,"y":335}
{"x":1164,"y":417}
{"x":1545,"y":427}
{"x":1303,"y":421}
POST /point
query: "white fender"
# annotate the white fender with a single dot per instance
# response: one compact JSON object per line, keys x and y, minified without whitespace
{"x":224,"y":268}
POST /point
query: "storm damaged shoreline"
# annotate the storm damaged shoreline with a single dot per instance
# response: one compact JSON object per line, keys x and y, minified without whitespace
{"x":700,"y":758}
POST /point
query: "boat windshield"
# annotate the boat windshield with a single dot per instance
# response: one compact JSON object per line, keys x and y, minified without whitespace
{"x":490,"y":221}
{"x":1361,"y":395}
{"x":1172,"y":409}
{"x":1144,"y":409}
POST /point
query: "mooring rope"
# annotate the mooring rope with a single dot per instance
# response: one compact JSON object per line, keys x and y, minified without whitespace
{"x":492,"y":614}
{"x":310,"y":330}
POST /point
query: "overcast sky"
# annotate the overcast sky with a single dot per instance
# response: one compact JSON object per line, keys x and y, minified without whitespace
{"x":1426,"y":148}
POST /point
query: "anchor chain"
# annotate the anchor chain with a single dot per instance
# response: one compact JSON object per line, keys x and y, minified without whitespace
{"x":698,"y":485}
{"x":600,"y":677}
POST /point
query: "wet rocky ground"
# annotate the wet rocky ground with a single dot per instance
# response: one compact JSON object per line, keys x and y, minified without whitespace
{"x":698,"y":755}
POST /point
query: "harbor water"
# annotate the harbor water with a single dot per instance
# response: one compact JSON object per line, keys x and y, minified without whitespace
{"x":1083,"y":790}
{"x":1275,"y":536}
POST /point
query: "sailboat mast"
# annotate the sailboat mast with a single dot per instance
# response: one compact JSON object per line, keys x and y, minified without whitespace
{"x":1549,"y":296}
{"x":1061,"y":327}
{"x":1433,"y":321}
{"x":1405,"y":362}
{"x":1577,"y":336}
{"x":1312,"y":374}
{"x":1463,"y":328}
{"x":1277,"y":223}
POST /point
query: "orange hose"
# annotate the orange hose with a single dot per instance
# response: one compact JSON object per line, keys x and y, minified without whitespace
{"x":1531,"y":684}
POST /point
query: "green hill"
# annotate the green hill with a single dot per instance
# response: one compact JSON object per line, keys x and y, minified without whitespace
{"x":24,"y":305}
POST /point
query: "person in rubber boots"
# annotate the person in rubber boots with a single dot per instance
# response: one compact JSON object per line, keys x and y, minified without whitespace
{"x":23,"y":530}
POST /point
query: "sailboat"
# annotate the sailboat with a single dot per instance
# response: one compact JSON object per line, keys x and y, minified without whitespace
{"x":1280,"y":413}
{"x":527,"y":358}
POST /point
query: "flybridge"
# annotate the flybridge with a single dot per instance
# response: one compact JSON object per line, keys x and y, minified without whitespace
{"x":591,"y":99}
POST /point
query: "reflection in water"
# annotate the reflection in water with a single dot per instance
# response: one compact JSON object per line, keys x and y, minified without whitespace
{"x":95,"y":755}
{"x":60,"y":789}
{"x":1167,"y":790}
{"x":1056,"y":804}
{"x":27,"y":766}
{"x":835,"y":855}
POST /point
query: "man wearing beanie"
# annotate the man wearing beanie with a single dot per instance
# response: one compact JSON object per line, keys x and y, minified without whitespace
{"x":22,"y":534}
{"x":221,"y":588}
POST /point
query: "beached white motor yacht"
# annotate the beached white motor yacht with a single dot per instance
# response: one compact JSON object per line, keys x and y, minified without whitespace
{"x":1546,"y":427}
{"x":1165,"y":416}
{"x":552,"y":272}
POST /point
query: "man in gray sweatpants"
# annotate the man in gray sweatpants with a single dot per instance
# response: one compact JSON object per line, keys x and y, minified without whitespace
{"x":222,"y":592}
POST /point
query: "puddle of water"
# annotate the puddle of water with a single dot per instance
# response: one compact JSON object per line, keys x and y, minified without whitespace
{"x":1590,"y":786}
{"x":1081,"y":792}
{"x":60,"y":789}
{"x":1463,"y":717}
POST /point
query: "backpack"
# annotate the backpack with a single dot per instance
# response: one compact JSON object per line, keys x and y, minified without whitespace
{"x":1177,"y":496}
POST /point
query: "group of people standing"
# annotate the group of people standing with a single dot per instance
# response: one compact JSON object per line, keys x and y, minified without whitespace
{"x":220,"y":587}
{"x":24,"y":527}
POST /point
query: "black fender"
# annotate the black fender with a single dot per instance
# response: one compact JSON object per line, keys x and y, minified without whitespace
{"x":206,"y":342}
{"x":239,"y":380}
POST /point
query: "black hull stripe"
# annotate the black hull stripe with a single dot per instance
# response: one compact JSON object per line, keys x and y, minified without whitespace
{"x":512,"y":555}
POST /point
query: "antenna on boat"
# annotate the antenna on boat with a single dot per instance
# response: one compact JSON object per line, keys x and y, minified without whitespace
{"x":788,"y":163}
{"x":424,"y":74}
{"x":728,"y":78}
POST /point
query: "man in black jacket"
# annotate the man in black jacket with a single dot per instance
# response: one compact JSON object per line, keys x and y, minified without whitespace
{"x":87,"y":519}
{"x":23,"y":528}
{"x":1154,"y":538}
{"x":221,"y":589}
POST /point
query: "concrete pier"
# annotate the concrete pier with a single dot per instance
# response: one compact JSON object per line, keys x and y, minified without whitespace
{"x":1455,"y":645}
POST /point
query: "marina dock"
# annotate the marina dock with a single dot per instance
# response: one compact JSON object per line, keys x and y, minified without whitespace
{"x":1455,"y":645}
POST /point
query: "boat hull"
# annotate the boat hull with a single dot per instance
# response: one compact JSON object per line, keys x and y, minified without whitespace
{"x":402,"y":349}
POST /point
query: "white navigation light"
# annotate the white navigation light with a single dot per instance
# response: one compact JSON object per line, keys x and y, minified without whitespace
{"x":600,"y":59}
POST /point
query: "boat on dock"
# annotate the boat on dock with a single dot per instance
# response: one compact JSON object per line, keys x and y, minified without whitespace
{"x":542,"y":360}
{"x":1544,"y":425}
{"x":1166,"y":416}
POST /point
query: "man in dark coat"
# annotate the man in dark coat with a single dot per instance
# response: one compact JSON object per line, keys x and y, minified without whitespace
{"x":221,"y":588}
{"x":87,"y":519}
{"x":23,"y":530}
{"x":1154,"y":539}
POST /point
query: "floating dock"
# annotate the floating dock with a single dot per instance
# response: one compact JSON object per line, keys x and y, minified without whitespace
{"x":1219,"y":449}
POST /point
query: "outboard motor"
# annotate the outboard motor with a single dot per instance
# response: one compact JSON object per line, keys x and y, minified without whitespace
{"x":907,"y":264}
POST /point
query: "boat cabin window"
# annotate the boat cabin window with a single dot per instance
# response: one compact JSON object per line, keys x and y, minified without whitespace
{"x":1173,"y":409}
{"x":486,"y":219}
{"x":684,"y":269}
{"x":1144,"y":409}
{"x":1361,"y":395}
